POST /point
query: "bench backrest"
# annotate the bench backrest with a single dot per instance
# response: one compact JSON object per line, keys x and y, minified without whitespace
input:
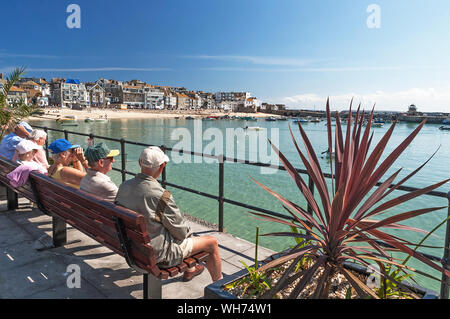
{"x":89,"y":214}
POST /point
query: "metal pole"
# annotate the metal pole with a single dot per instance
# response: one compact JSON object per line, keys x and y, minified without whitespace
{"x":163,"y":175}
{"x":124,"y":161}
{"x":311,"y":188}
{"x":66,"y":135}
{"x":221,"y":192}
{"x":445,"y":259}
{"x":46,"y":143}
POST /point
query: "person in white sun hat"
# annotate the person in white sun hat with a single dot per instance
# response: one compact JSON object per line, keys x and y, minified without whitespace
{"x":171,"y":237}
{"x":26,"y":150}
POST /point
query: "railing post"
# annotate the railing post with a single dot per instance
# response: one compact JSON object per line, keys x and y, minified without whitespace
{"x":445,"y":259}
{"x":221,"y":192}
{"x":124,"y":160}
{"x":66,"y":135}
{"x":46,"y":143}
{"x":163,"y":175}
{"x":311,"y":188}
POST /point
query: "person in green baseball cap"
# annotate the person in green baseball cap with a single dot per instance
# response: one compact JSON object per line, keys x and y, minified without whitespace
{"x":100,"y":159}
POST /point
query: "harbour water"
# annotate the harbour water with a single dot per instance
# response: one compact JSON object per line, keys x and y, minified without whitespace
{"x":203,"y":175}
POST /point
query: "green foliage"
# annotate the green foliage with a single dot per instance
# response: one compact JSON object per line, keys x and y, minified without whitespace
{"x":341,"y":224}
{"x":12,"y":113}
{"x":255,"y":283}
{"x":300,"y":242}
{"x":389,"y":288}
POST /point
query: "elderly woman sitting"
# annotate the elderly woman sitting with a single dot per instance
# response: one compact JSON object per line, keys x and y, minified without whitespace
{"x":63,"y":154}
{"x":26,"y":151}
{"x":39,"y":137}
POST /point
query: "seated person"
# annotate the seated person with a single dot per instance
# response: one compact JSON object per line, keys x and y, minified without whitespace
{"x":26,"y":151}
{"x":9,"y":142}
{"x":63,"y":154}
{"x":170,"y":236}
{"x":39,"y":137}
{"x":100,"y":160}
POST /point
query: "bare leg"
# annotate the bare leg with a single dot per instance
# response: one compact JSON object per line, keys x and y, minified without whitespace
{"x":213,"y":261}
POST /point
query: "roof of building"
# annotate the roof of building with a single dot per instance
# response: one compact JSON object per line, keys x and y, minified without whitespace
{"x":32,"y":93}
{"x":72,"y":81}
{"x":15,"y":89}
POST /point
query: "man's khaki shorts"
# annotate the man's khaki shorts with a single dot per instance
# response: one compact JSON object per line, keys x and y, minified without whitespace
{"x":186,"y":246}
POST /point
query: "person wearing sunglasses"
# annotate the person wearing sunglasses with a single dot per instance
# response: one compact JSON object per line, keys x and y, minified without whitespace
{"x":100,"y":159}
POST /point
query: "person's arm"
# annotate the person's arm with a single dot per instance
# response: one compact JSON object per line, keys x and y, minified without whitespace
{"x":71,"y":175}
{"x":22,"y":131}
{"x":79,"y":161}
{"x":174,"y":222}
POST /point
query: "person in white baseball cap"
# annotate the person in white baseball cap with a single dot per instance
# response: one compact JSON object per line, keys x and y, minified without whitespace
{"x":172,"y":239}
{"x":153,"y":157}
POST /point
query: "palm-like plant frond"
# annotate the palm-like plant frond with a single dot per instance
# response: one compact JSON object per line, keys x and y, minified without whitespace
{"x":340,"y":221}
{"x":14,"y":112}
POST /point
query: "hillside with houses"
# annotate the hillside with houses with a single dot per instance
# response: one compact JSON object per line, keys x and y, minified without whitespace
{"x":133,"y":94}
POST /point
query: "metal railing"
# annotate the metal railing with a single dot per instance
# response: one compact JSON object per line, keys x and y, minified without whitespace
{"x":445,"y":260}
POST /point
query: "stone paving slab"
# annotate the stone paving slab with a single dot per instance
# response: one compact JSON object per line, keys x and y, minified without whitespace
{"x":29,"y":271}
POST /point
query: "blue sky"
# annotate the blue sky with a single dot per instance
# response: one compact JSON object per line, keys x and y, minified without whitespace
{"x":296,"y":52}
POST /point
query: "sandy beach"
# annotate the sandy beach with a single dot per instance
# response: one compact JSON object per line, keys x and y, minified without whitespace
{"x":51,"y":113}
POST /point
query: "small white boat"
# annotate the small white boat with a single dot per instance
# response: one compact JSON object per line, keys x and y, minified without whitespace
{"x":255,"y":128}
{"x":69,"y":124}
{"x":90,"y":119}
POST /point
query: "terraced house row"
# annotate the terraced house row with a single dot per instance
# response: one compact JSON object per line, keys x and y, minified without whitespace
{"x":133,"y":94}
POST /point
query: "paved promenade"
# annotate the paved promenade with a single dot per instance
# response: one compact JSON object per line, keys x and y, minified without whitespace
{"x":29,"y":270}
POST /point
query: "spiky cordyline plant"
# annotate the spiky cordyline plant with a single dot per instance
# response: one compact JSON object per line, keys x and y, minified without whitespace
{"x":337,"y":228}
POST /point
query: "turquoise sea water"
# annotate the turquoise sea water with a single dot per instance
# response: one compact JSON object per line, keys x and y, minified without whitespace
{"x":203,"y":175}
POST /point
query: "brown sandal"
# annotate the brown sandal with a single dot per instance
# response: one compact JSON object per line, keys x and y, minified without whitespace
{"x":191,"y":274}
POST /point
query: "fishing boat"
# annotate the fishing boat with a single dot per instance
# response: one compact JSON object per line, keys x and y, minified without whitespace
{"x":90,"y":119}
{"x":248,"y":118}
{"x":377,"y":124}
{"x":446,"y":121}
{"x":301,"y":120}
{"x":270,"y":119}
{"x":444,"y":128}
{"x":189,"y":117}
{"x":69,"y":123}
{"x":283,"y":118}
{"x":68,"y":118}
{"x":315,"y":120}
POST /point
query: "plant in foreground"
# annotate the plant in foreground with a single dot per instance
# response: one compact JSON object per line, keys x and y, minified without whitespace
{"x":12,"y":113}
{"x":339,"y":228}
{"x":256,"y":282}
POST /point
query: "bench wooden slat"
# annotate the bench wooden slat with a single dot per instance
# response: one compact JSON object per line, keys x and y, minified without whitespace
{"x":99,"y":220}
{"x":200,"y":256}
{"x":143,"y":253}
{"x":190,"y":262}
{"x":129,"y":217}
{"x":182,"y":267}
{"x":173,"y":271}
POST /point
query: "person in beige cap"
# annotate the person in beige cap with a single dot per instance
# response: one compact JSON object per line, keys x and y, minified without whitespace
{"x":171,"y":237}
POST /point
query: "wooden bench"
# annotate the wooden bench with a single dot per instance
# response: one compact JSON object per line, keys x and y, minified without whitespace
{"x":117,"y":228}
